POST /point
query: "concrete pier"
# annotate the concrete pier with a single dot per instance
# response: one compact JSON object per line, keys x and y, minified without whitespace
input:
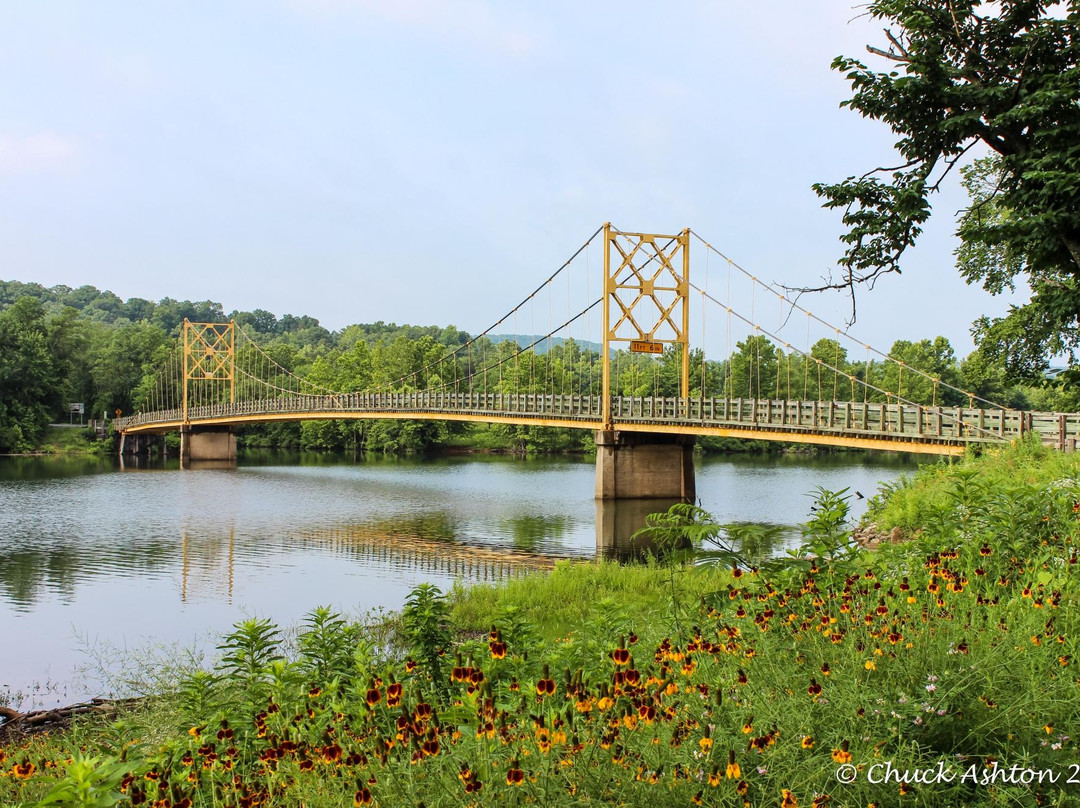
{"x":140,"y":445}
{"x":207,"y":443}
{"x":643,"y":465}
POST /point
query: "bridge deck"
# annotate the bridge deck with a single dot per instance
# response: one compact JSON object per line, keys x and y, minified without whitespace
{"x":892,"y":427}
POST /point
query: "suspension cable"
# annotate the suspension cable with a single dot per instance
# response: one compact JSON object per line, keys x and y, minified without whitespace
{"x":788,"y":345}
{"x":885,"y":356}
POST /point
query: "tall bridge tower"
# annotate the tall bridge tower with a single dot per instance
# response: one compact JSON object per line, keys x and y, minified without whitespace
{"x":646,"y":304}
{"x":209,"y":377}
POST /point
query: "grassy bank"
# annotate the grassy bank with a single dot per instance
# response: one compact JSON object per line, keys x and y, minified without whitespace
{"x":941,"y":671}
{"x":63,"y":440}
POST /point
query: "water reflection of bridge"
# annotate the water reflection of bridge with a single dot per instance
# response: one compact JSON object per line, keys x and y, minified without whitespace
{"x":416,"y":554}
{"x":208,"y":561}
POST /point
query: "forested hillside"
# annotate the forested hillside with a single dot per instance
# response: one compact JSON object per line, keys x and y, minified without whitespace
{"x":61,"y":345}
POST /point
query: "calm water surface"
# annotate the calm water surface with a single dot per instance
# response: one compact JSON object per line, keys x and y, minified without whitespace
{"x":92,"y":557}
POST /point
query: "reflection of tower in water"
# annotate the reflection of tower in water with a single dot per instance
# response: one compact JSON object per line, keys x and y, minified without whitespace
{"x":200,"y":560}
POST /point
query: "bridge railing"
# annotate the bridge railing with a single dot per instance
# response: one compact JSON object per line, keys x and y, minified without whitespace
{"x":947,"y":425}
{"x":936,"y":424}
{"x":572,"y":407}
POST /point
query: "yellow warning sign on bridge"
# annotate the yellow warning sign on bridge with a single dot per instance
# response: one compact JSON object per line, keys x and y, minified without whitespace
{"x":646,"y":346}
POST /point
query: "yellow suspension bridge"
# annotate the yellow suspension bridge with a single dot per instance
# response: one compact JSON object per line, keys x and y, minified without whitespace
{"x":218,"y":377}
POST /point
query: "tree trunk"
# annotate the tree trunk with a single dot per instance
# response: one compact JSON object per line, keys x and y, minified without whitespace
{"x":1073,"y":246}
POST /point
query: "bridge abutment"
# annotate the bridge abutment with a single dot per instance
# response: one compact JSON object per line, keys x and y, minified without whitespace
{"x":644,"y":465}
{"x":207,"y":443}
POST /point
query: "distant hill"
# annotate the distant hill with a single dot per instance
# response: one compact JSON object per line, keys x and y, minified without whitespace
{"x":524,"y":340}
{"x":108,"y":309}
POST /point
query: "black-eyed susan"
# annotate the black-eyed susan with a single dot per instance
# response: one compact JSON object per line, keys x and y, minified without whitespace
{"x":705,"y":742}
{"x":422,"y":712}
{"x":733,"y":770}
{"x":393,"y":695}
{"x":545,"y":685}
{"x":841,"y":754}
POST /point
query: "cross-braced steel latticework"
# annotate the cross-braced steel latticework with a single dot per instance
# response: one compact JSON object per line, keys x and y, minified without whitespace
{"x":649,"y":283}
{"x":209,"y":363}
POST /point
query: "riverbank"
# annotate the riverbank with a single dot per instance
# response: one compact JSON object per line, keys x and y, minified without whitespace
{"x":61,"y":439}
{"x":799,"y":682}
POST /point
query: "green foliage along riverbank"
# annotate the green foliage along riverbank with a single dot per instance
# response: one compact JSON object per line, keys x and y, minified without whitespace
{"x":60,"y":345}
{"x":803,"y":682}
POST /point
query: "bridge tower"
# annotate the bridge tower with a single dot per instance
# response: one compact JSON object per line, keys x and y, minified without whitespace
{"x":646,"y":305}
{"x":209,"y":379}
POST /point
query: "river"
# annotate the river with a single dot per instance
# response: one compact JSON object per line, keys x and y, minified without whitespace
{"x":103,"y":569}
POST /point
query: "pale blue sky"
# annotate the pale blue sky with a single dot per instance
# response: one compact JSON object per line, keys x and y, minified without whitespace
{"x":429,"y":162}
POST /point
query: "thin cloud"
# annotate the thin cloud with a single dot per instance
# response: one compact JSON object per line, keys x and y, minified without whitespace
{"x":43,"y":152}
{"x":492,"y":26}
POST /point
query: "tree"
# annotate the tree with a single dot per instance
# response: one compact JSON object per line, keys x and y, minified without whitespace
{"x":934,"y":358}
{"x":753,"y":368}
{"x":120,"y":363}
{"x":964,"y":74}
{"x":30,"y":385}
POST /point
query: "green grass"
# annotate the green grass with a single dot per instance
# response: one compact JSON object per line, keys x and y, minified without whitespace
{"x":575,"y":593}
{"x":66,"y":440}
{"x":917,"y":502}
